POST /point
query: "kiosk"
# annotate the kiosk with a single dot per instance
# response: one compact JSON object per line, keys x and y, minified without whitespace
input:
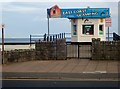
{"x":86,"y":23}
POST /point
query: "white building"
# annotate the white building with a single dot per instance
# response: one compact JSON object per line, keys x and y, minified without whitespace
{"x":83,"y":30}
{"x":86,"y":23}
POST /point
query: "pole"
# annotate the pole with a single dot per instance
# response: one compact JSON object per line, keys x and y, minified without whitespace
{"x":108,"y":33}
{"x":48,"y":29}
{"x":2,"y":44}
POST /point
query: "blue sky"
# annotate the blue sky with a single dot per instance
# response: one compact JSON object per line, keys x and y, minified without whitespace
{"x":24,"y":18}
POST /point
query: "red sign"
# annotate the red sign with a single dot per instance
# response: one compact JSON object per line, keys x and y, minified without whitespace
{"x":108,"y":22}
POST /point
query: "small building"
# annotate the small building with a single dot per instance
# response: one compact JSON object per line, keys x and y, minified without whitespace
{"x":86,"y":23}
{"x":83,"y":30}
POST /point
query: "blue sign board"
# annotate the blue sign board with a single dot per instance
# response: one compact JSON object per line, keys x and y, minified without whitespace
{"x":56,"y":12}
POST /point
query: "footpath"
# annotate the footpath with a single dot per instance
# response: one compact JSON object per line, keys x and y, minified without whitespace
{"x":62,"y":69}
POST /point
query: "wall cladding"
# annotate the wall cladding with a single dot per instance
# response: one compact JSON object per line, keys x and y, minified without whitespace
{"x":105,"y":50}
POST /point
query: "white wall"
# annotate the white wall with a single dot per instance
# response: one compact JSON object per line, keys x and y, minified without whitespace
{"x":88,"y":38}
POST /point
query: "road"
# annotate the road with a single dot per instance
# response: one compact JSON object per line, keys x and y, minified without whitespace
{"x":58,"y":83}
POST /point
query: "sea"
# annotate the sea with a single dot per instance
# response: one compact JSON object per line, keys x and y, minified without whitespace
{"x":24,"y":43}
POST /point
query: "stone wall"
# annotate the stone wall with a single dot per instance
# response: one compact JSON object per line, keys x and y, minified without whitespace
{"x":19,"y":55}
{"x":47,"y":50}
{"x":105,"y":50}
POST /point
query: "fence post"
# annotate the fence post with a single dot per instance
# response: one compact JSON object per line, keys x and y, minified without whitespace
{"x":78,"y":51}
{"x":30,"y":40}
{"x":53,"y":38}
{"x":60,"y":35}
{"x":50,"y":38}
{"x":64,"y":35}
{"x":45,"y":37}
{"x":56,"y":47}
{"x":56,"y":37}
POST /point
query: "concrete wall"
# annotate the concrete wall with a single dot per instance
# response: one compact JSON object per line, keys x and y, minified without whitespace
{"x":88,"y":38}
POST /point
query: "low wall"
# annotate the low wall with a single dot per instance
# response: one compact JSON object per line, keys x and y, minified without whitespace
{"x":45,"y":50}
{"x":19,"y":55}
{"x":108,"y":50}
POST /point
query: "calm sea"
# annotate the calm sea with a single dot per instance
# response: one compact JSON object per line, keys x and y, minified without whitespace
{"x":27,"y":40}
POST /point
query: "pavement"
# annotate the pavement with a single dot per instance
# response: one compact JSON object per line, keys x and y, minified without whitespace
{"x":71,"y":68}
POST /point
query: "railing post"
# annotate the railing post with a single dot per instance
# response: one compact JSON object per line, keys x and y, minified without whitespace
{"x":56,"y":37}
{"x":53,"y":38}
{"x":30,"y":40}
{"x":45,"y":37}
{"x":78,"y":52}
{"x":64,"y":35}
{"x":50,"y":38}
{"x":60,"y":35}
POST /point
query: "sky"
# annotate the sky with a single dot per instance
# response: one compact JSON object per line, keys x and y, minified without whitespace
{"x":23,"y":18}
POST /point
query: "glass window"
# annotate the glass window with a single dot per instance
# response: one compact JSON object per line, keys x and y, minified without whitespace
{"x":100,"y":29}
{"x":88,"y":29}
{"x":74,"y":30}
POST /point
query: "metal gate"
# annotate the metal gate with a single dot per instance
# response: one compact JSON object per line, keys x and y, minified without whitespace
{"x":82,"y":50}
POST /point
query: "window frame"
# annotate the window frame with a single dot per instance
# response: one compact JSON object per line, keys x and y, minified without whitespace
{"x":102,"y":29}
{"x":88,"y":25}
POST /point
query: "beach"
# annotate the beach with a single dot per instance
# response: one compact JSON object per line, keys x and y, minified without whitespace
{"x":12,"y":47}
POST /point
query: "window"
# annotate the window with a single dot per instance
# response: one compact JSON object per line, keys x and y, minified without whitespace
{"x":100,"y":29}
{"x":88,"y":29}
{"x":54,"y":11}
{"x":74,"y":30}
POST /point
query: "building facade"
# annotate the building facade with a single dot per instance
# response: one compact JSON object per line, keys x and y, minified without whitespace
{"x":83,"y":30}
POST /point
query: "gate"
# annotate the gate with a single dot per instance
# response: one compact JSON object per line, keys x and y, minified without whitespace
{"x":82,"y":50}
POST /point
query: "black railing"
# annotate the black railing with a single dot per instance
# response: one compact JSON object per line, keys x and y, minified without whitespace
{"x":116,"y":37}
{"x":52,"y":37}
{"x":45,"y":37}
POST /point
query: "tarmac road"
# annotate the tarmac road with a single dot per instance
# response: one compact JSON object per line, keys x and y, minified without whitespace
{"x":59,"y":83}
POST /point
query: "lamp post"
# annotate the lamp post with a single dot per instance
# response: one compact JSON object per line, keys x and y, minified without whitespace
{"x":48,"y":27}
{"x":3,"y":43}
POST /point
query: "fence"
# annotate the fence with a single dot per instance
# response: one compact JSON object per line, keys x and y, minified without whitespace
{"x":79,"y":50}
{"x":45,"y":37}
{"x":42,"y":37}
